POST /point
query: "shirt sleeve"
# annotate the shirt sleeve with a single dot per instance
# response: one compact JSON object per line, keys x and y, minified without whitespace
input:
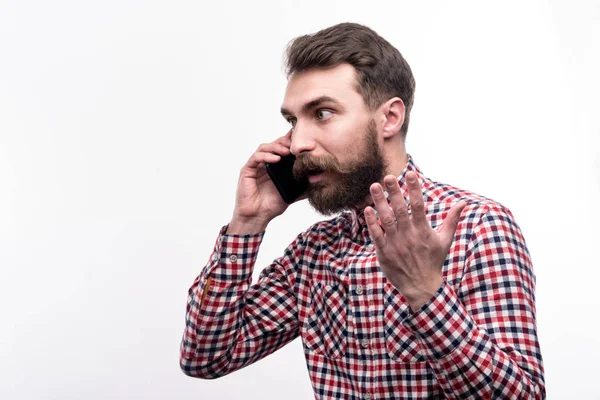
{"x":480,"y":339}
{"x":231,"y":323}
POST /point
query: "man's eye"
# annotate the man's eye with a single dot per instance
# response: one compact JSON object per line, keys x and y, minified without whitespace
{"x":292,"y":122}
{"x":324,"y":114}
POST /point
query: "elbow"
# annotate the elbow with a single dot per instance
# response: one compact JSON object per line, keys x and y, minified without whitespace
{"x":541,"y":391}
{"x":539,"y":386}
{"x":197,"y":369}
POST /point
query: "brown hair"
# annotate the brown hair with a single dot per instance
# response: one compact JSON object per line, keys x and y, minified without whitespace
{"x":382,"y":72}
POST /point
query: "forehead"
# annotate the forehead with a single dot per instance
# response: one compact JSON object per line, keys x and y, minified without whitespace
{"x":338,"y":82}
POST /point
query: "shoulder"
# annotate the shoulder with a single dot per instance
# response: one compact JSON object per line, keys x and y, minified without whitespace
{"x":441,"y":196}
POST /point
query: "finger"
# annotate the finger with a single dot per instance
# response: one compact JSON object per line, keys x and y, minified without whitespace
{"x":417,"y":205}
{"x":448,"y":228}
{"x":262,"y":157}
{"x":285,"y":140}
{"x":398,"y":203}
{"x":375,"y":230}
{"x":386,"y":216}
{"x":274,"y":147}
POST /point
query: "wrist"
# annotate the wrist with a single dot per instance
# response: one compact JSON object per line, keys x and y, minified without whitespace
{"x":416,"y":297}
{"x":417,"y":302}
{"x":246,"y":226}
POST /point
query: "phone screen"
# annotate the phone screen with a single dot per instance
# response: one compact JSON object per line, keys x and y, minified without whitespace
{"x":282,"y":176}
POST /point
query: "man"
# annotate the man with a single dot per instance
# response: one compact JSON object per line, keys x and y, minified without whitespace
{"x":415,"y":289}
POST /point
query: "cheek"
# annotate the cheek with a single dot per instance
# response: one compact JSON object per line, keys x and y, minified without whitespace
{"x":346,"y":136}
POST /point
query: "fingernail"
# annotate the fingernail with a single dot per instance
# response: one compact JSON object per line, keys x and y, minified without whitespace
{"x":376,"y":190}
{"x":411,"y":178}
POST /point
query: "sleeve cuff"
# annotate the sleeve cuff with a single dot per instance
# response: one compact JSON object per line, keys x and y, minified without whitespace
{"x":441,"y":325}
{"x":233,"y":256}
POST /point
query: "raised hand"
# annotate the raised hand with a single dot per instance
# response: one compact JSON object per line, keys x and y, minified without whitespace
{"x":411,"y":253}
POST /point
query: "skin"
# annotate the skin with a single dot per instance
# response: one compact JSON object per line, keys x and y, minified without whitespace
{"x":328,"y":118}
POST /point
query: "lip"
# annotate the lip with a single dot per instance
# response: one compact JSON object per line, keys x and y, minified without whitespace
{"x":316,"y":178}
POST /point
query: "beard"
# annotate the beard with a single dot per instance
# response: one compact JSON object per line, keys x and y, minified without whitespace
{"x":350,"y":185}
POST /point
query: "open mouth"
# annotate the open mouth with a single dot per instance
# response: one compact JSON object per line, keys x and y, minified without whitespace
{"x":311,"y":174}
{"x":314,"y":172}
{"x":315,"y":175}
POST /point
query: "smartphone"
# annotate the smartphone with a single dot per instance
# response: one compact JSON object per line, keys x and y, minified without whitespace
{"x":282,"y":176}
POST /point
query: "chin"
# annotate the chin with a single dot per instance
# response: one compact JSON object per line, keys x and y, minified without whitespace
{"x":333,"y":202}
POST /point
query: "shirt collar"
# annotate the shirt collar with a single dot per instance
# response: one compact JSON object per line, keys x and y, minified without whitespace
{"x":357,"y":215}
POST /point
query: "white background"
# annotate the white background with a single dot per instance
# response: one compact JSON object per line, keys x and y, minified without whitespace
{"x":123,"y":126}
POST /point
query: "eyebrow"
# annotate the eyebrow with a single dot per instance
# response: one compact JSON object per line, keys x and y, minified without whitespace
{"x":311,"y":104}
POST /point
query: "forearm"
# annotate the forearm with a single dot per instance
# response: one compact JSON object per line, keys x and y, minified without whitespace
{"x":467,"y":363}
{"x":229,"y":322}
{"x":220,"y":337}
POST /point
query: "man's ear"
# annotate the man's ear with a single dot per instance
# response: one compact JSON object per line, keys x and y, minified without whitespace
{"x":392,"y":116}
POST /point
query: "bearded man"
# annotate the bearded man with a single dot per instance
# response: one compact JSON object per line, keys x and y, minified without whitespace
{"x":411,"y":289}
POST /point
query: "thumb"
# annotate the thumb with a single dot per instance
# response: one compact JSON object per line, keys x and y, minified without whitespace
{"x":448,"y":228}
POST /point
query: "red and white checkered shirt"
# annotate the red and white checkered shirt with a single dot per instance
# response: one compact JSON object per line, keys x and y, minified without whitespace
{"x":475,"y":339}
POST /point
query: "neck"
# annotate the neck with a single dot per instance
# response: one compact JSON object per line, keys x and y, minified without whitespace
{"x":396,"y":165}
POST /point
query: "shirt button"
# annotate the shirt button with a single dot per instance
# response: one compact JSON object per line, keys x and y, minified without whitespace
{"x":359,"y":290}
{"x":215,"y":257}
{"x":368,"y":396}
{"x":233,"y":258}
{"x":365,"y":343}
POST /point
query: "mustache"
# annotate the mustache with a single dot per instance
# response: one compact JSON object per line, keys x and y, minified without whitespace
{"x":306,"y":165}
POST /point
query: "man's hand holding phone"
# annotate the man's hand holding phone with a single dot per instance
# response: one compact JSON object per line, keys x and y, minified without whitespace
{"x":258,"y":200}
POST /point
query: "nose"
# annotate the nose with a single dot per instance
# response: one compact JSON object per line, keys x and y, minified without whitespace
{"x":302,"y":140}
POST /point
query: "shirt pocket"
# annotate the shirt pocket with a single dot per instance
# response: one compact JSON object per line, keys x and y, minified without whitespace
{"x":325,"y":329}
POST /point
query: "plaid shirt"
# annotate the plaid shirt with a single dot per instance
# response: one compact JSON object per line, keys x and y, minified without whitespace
{"x":475,"y":339}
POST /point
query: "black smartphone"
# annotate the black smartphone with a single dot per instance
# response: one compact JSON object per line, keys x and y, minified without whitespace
{"x":282,"y":176}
